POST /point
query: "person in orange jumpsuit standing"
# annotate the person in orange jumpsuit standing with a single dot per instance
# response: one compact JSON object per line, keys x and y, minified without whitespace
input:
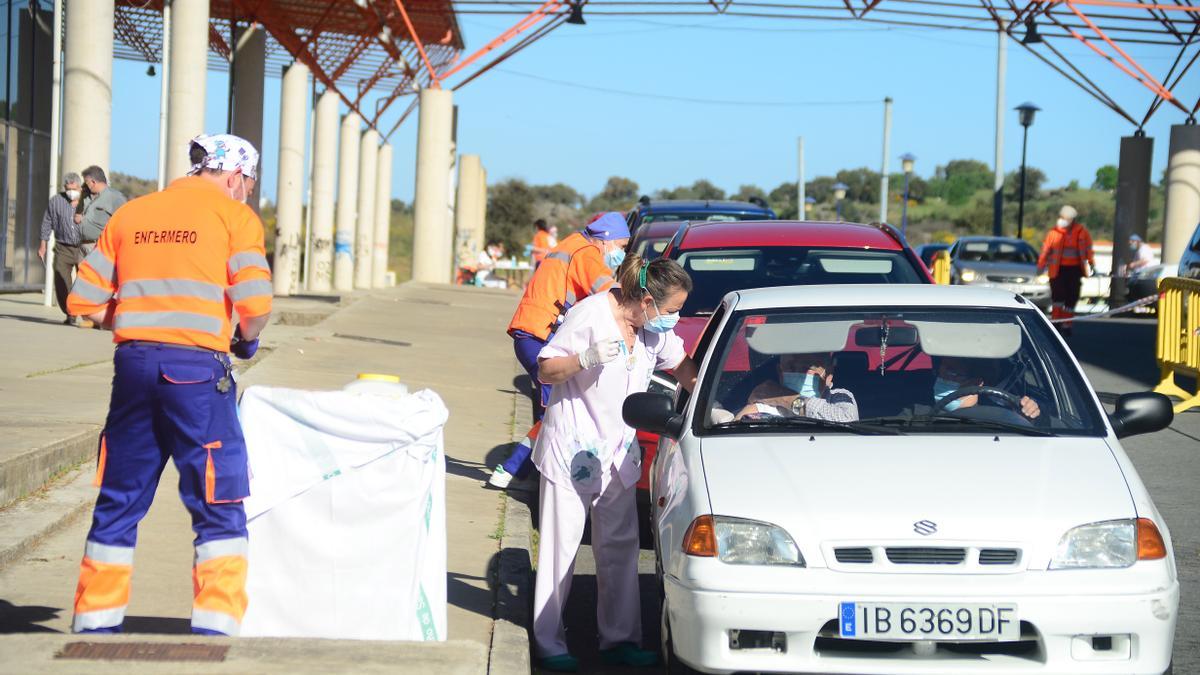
{"x":164,"y":276}
{"x":580,"y":266}
{"x":1067,"y":257}
{"x":541,"y":242}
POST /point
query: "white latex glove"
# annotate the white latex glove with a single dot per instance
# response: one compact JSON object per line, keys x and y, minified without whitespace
{"x":600,"y":352}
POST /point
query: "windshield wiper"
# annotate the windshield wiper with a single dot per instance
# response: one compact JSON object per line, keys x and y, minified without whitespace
{"x":808,"y":423}
{"x":934,"y":420}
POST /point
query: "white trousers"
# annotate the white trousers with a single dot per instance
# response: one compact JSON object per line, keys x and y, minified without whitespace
{"x":615,"y":546}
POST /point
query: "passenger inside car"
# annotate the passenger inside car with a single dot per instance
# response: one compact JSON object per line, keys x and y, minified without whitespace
{"x":956,"y":376}
{"x":803,"y":387}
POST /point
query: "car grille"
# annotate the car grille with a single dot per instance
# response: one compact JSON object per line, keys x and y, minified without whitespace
{"x":854,"y":555}
{"x":1003,"y":279}
{"x":925,"y":555}
{"x":998,"y":556}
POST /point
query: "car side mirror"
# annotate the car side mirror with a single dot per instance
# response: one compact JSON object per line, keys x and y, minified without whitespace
{"x":654,"y":413}
{"x":1141,"y":413}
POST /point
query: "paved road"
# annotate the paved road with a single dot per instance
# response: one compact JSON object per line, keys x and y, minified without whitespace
{"x":1118,"y":357}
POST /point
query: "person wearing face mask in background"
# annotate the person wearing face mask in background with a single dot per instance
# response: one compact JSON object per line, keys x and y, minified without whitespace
{"x":607,"y":349}
{"x":166,"y":275}
{"x":581,"y":265}
{"x":99,"y":203}
{"x":804,"y":389}
{"x":68,"y":253}
{"x":1067,"y":257}
{"x":484,"y":275}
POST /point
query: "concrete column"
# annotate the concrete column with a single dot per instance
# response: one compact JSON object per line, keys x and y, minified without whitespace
{"x":383,"y":216}
{"x":249,"y":64}
{"x":1133,"y":206}
{"x":188,"y":70}
{"x":364,"y":230}
{"x":87,"y":86}
{"x":481,"y":220}
{"x":1183,"y":191}
{"x":289,"y":193}
{"x":468,"y":230}
{"x":432,"y":236}
{"x":347,"y":204}
{"x":325,"y":138}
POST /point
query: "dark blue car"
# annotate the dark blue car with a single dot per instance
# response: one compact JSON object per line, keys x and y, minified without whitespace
{"x":653,"y":222}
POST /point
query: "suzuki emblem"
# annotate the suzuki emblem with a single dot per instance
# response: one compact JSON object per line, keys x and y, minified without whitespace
{"x":925,"y":527}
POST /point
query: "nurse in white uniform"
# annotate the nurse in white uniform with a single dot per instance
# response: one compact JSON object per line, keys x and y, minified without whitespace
{"x":605,"y":350}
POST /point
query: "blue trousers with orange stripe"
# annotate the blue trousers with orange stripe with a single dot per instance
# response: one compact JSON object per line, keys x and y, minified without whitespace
{"x":166,"y":405}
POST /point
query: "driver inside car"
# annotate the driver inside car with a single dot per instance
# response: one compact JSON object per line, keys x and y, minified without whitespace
{"x":804,"y":389}
{"x":955,"y":373}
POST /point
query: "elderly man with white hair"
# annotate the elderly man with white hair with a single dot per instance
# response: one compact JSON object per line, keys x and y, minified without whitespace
{"x":1067,"y":257}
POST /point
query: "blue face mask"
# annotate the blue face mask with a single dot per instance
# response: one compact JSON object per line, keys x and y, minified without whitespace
{"x":663,"y":323}
{"x":808,"y":385}
{"x":614,"y":259}
{"x":943,"y":388}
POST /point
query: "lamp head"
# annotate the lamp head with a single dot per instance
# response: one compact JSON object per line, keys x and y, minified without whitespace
{"x":839,"y":190}
{"x":576,"y":16}
{"x":906,"y":161}
{"x":1032,"y":37}
{"x":1025,"y":113}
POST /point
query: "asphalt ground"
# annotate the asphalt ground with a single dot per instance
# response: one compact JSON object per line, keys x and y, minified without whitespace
{"x":1118,"y":357}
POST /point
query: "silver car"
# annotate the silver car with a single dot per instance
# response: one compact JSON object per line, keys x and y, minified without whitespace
{"x":1000,"y":262}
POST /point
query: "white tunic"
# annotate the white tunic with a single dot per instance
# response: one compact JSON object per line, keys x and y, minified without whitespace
{"x":583,"y":435}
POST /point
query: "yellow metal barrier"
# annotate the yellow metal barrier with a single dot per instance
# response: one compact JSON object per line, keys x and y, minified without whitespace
{"x":941,"y":268}
{"x":1179,"y":337}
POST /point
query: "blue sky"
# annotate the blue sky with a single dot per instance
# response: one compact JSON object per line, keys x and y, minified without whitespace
{"x":822,"y":80}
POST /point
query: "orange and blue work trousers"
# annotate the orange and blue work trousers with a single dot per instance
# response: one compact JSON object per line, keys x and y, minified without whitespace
{"x":179,"y":403}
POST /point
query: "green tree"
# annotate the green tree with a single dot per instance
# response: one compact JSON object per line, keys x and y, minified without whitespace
{"x":783,"y":200}
{"x":959,"y":180}
{"x":701,"y":189}
{"x":510,"y":214}
{"x":619,"y":194}
{"x":746,"y":192}
{"x":1106,"y":178}
{"x":1035,"y":178}
{"x":559,"y":193}
{"x":862,"y":185}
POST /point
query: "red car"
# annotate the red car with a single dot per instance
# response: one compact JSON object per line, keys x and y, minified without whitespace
{"x":728,"y":256}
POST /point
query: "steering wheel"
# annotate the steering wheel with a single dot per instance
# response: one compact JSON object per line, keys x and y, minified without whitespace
{"x":999,"y":394}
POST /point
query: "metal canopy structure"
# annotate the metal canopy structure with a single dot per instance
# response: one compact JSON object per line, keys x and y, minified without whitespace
{"x":398,"y":46}
{"x":351,"y":46}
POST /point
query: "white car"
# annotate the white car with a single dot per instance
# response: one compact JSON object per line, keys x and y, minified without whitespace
{"x":979,"y":516}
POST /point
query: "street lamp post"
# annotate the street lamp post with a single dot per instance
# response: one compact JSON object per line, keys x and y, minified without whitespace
{"x":906,"y":162}
{"x":809,"y":203}
{"x":839,"y":194}
{"x":1025,"y":113}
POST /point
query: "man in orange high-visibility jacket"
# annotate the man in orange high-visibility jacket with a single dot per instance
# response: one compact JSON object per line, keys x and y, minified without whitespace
{"x":580,"y":266}
{"x":165,"y":275}
{"x":1067,"y":257}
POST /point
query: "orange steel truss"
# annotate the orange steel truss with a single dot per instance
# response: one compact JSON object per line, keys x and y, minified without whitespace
{"x":399,"y":46}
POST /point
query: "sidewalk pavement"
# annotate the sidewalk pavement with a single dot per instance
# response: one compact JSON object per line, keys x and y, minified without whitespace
{"x":449,"y":339}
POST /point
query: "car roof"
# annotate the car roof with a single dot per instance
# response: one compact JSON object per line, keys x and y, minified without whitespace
{"x":663,"y":229}
{"x":980,"y":237}
{"x":715,"y":205}
{"x":875,"y":295}
{"x":750,"y":233}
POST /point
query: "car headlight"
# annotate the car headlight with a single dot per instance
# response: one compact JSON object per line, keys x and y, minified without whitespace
{"x":1112,"y":543}
{"x":749,"y":542}
{"x":967,"y":275}
{"x":1043,"y":279}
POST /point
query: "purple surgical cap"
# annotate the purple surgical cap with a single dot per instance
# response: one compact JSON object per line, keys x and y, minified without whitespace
{"x":608,"y":227}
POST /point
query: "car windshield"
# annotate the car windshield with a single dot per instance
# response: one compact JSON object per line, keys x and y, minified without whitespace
{"x":997,"y":251}
{"x":925,"y":370}
{"x":650,"y":249}
{"x":716,"y":272}
{"x":701,"y":216}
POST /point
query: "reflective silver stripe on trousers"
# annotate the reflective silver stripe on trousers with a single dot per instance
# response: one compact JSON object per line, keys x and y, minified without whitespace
{"x":249,"y":289}
{"x":181,"y":320}
{"x":90,"y":292}
{"x":101,"y":618}
{"x":221,"y":548}
{"x":240,"y":261}
{"x":558,"y":255}
{"x":102,"y":265}
{"x":218,"y":621}
{"x":599,"y":283}
{"x":191,"y":288}
{"x":104,"y":553}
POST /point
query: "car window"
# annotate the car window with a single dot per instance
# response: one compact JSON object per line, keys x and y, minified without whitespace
{"x":996,"y":251}
{"x":952,"y":370}
{"x":716,"y":272}
{"x":652,"y":248}
{"x":700,"y":216}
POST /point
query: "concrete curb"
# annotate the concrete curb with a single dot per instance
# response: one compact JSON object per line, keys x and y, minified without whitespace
{"x":24,"y":474}
{"x":510,"y":653}
{"x":30,"y":521}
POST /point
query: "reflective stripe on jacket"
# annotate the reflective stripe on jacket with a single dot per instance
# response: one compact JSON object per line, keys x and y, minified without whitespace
{"x":1069,"y":246}
{"x":174,"y":263}
{"x":572,"y":271}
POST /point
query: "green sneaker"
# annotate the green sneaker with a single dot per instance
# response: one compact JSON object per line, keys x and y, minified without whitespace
{"x":561,"y":663}
{"x":628,"y":654}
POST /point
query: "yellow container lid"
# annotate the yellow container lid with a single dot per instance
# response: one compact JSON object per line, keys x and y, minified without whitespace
{"x":377,"y":377}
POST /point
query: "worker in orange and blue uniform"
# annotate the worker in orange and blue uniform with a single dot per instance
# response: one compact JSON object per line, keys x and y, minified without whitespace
{"x":1067,"y":257}
{"x":164,"y":276}
{"x":580,"y":266}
